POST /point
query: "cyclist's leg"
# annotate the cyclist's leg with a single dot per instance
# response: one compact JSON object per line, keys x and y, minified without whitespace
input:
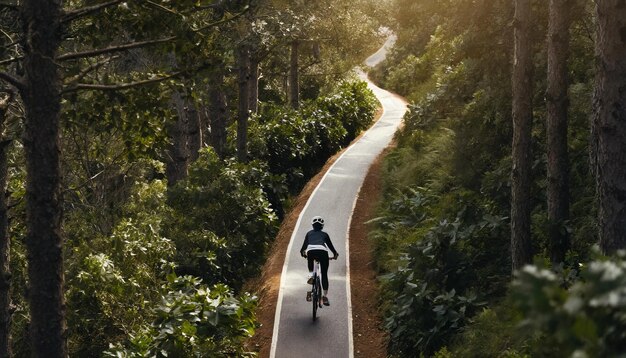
{"x":309,"y":262}
{"x":324,"y":266}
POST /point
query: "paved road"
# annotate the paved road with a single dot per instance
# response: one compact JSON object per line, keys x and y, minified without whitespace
{"x":295,"y":334}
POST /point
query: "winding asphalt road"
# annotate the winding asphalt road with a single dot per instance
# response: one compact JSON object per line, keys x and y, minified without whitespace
{"x":296,"y":335}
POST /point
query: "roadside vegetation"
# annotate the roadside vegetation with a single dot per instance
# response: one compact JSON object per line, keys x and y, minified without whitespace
{"x":442,"y":233}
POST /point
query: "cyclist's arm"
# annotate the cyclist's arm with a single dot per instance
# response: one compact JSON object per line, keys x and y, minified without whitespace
{"x":305,"y":244}
{"x":330,"y":245}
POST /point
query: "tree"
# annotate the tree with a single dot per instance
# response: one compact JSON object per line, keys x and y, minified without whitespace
{"x":46,"y":30}
{"x":243,"y":65}
{"x":294,"y":85}
{"x":557,"y":104}
{"x":178,"y":153}
{"x":217,"y":111}
{"x":609,"y":124}
{"x":5,"y":242}
{"x":41,"y":93}
{"x":521,"y":149}
{"x":194,"y":131}
{"x":253,"y":84}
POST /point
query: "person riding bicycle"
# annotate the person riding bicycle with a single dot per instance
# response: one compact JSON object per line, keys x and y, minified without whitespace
{"x":315,"y":247}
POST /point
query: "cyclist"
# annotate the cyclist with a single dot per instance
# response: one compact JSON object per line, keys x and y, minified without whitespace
{"x":316,"y":246}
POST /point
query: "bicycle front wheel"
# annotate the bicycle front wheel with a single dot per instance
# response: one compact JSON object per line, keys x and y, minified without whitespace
{"x":316,"y":297}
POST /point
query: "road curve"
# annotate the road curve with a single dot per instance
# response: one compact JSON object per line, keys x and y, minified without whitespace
{"x":295,"y":334}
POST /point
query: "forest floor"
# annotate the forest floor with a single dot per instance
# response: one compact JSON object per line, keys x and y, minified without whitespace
{"x":370,"y":340}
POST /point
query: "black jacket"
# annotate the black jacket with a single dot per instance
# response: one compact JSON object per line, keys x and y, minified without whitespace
{"x":317,"y":237}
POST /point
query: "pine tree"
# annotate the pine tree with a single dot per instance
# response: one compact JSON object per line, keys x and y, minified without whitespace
{"x":522,"y":124}
{"x":557,"y":103}
{"x":609,"y":124}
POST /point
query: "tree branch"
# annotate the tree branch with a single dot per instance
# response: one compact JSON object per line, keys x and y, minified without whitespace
{"x":162,"y":8}
{"x":93,"y":67}
{"x":118,"y":48}
{"x":16,"y":82}
{"x":198,"y":8}
{"x":11,"y":60}
{"x":10,"y":6}
{"x":7,"y":36}
{"x":74,"y":14}
{"x":120,"y":86}
{"x":223,"y":20}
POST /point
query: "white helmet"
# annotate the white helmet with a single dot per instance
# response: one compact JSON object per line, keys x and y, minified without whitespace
{"x":317,"y":220}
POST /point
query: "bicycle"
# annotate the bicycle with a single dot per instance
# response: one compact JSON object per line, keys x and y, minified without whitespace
{"x":316,"y":288}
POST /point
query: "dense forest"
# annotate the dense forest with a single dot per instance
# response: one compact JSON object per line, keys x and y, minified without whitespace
{"x":149,"y":151}
{"x":502,"y":229}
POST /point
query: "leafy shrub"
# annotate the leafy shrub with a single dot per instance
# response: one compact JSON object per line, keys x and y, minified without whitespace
{"x":492,"y":333}
{"x":193,"y":320}
{"x":434,"y":292}
{"x":221,"y":221}
{"x":112,"y":279}
{"x":353,"y":105}
{"x":216,"y":226}
{"x":296,"y":143}
{"x":423,"y":318}
{"x":587,"y":319}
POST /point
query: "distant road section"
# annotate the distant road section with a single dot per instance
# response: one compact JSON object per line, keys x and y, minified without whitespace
{"x":295,"y":334}
{"x":380,"y":55}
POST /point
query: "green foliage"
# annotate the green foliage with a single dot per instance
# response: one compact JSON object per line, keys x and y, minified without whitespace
{"x":586,"y":319}
{"x":434,"y":292}
{"x":426,"y":315}
{"x":297,"y":143}
{"x":131,"y":124}
{"x":353,"y":105}
{"x":124,"y":231}
{"x":221,"y":221}
{"x":451,"y":231}
{"x":493,"y":333}
{"x":113,"y":279}
{"x":116,"y":280}
{"x":193,"y":320}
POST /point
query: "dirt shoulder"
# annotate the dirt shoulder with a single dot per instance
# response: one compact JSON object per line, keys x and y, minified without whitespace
{"x":369,"y":339}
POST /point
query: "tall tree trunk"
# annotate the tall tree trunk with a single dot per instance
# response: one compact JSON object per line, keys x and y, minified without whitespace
{"x":609,"y":124}
{"x":218,"y":113}
{"x":243,"y":60}
{"x":42,"y":101}
{"x":522,"y":122}
{"x":194,"y":131}
{"x":557,"y":102}
{"x":205,"y":123}
{"x":5,"y":241}
{"x":178,"y":155}
{"x":253,"y":85}
{"x":294,"y":86}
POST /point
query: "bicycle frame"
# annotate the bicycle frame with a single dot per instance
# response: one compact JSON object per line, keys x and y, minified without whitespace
{"x":316,"y":288}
